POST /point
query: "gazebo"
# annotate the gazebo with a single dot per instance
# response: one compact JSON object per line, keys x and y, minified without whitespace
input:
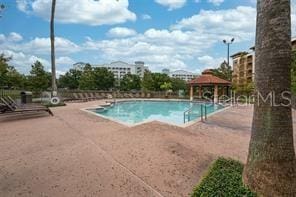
{"x":207,"y":79}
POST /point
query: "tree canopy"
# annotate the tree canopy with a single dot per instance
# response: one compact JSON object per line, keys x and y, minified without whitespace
{"x":71,"y":79}
{"x":9,"y":76}
{"x":39,"y":80}
{"x":96,"y":78}
{"x":84,"y":78}
{"x":224,"y":71}
{"x":130,"y":82}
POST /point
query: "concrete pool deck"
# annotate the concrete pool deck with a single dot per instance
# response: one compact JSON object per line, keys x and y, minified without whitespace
{"x":75,"y":153}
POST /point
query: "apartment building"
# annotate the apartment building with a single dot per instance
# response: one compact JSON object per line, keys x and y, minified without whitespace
{"x":243,"y":69}
{"x":180,"y":74}
{"x":244,"y":66}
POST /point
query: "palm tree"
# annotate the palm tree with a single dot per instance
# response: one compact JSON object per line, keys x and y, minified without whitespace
{"x":53,"y":66}
{"x":271,"y":164}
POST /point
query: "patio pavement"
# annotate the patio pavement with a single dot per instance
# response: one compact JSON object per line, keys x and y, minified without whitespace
{"x":76,"y":153}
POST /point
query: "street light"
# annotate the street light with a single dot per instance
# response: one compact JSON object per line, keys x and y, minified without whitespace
{"x":228,"y":46}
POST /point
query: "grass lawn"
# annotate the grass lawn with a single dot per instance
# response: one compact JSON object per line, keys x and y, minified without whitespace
{"x":224,"y":178}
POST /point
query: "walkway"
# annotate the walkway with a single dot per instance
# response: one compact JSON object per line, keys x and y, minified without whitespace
{"x":78,"y":154}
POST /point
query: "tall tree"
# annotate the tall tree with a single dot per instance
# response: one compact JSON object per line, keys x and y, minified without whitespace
{"x":224,"y":71}
{"x":270,"y":168}
{"x":178,"y":84}
{"x":87,"y":80}
{"x":104,"y":79}
{"x":147,"y":81}
{"x":71,"y":79}
{"x":39,"y":79}
{"x":159,"y":79}
{"x":130,"y":82}
{"x":52,"y":39}
{"x":4,"y":68}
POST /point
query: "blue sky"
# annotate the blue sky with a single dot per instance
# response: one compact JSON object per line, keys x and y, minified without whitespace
{"x":174,"y":34}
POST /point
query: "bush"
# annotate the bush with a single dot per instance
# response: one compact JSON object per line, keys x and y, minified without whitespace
{"x":224,"y":178}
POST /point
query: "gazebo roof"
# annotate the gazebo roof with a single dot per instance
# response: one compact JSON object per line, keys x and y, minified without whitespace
{"x":207,"y":78}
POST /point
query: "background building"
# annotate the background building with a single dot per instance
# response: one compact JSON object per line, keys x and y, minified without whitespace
{"x":120,"y":69}
{"x":180,"y":74}
{"x":243,"y":69}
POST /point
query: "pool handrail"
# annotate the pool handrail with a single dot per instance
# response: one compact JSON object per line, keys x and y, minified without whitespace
{"x":204,"y":113}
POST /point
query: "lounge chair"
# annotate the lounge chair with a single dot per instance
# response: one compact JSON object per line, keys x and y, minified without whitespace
{"x":109,"y":96}
{"x":89,"y":96}
{"x":98,"y":96}
{"x":142,"y":94}
{"x":128,"y":95}
{"x":12,"y":103}
{"x":13,"y":108}
{"x":3,"y":108}
{"x":69,"y":98}
{"x":103,"y":95}
{"x":82,"y":96}
{"x":78,"y":96}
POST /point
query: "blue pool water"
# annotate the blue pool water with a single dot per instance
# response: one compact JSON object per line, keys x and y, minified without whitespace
{"x":133,"y":112}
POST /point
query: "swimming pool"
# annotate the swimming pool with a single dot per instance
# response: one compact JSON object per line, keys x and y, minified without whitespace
{"x":172,"y":112}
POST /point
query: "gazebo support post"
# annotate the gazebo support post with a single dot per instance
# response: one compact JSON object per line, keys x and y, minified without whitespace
{"x":223,"y":91}
{"x":216,"y":94}
{"x":191,"y":93}
{"x":200,"y":92}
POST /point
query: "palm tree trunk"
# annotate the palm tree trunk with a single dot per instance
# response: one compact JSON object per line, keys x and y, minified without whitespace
{"x":53,"y":66}
{"x":271,"y":165}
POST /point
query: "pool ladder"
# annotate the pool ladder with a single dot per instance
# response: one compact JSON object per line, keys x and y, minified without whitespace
{"x":203,"y":116}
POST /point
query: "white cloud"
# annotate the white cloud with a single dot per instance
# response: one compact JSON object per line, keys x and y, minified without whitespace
{"x":42,"y":46}
{"x":210,"y":62}
{"x":158,"y":48}
{"x":22,"y":62}
{"x":172,"y":4}
{"x":87,"y":12}
{"x":23,"y":5}
{"x":2,"y":38}
{"x":146,"y":17}
{"x":216,"y":2}
{"x":239,"y":23}
{"x":14,"y":37}
{"x":121,"y":32}
{"x":65,"y":60}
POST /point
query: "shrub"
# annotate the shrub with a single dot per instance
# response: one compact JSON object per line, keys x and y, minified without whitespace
{"x":224,"y":178}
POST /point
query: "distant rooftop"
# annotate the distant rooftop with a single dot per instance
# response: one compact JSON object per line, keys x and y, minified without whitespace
{"x":182,"y":72}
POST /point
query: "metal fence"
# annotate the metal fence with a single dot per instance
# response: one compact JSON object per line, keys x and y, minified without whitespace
{"x":126,"y":94}
{"x":12,"y":93}
{"x":15,"y":94}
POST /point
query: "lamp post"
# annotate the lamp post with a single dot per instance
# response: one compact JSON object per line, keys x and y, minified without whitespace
{"x":228,"y":46}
